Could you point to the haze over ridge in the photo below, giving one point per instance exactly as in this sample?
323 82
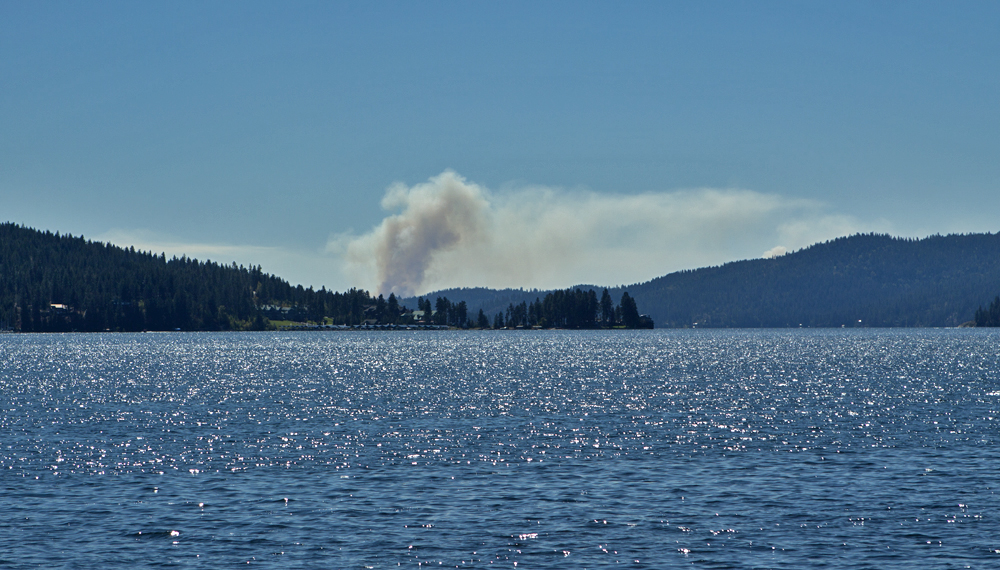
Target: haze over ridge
269 136
453 232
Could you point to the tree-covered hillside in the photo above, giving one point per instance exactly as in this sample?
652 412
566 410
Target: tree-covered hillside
866 280
52 282
861 280
55 283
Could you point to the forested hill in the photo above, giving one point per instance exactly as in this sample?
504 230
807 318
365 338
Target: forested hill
50 282
866 280
861 280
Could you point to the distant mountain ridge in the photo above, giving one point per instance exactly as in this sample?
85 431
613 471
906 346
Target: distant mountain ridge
861 280
52 282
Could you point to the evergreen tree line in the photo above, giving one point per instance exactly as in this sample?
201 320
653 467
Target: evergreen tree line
568 309
861 280
989 317
52 282
59 283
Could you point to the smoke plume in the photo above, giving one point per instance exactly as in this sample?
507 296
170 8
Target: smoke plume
440 215
448 232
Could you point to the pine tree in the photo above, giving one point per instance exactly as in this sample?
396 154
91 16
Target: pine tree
630 313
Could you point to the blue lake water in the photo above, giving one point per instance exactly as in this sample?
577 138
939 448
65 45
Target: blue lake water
554 449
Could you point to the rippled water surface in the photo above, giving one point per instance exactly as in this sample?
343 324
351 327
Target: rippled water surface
711 449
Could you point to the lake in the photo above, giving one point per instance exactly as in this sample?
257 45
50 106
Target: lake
858 448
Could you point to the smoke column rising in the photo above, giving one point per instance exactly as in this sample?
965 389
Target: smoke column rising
448 232
440 215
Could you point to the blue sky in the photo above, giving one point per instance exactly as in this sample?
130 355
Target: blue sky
591 142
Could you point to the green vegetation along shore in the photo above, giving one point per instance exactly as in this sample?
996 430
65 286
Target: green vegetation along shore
866 280
59 283
52 283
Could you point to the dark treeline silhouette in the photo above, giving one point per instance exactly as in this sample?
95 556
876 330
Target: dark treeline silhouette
52 282
989 317
58 283
861 280
568 309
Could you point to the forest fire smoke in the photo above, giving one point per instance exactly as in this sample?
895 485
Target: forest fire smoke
441 214
448 232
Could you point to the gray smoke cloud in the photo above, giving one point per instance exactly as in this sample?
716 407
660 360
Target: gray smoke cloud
449 232
440 215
